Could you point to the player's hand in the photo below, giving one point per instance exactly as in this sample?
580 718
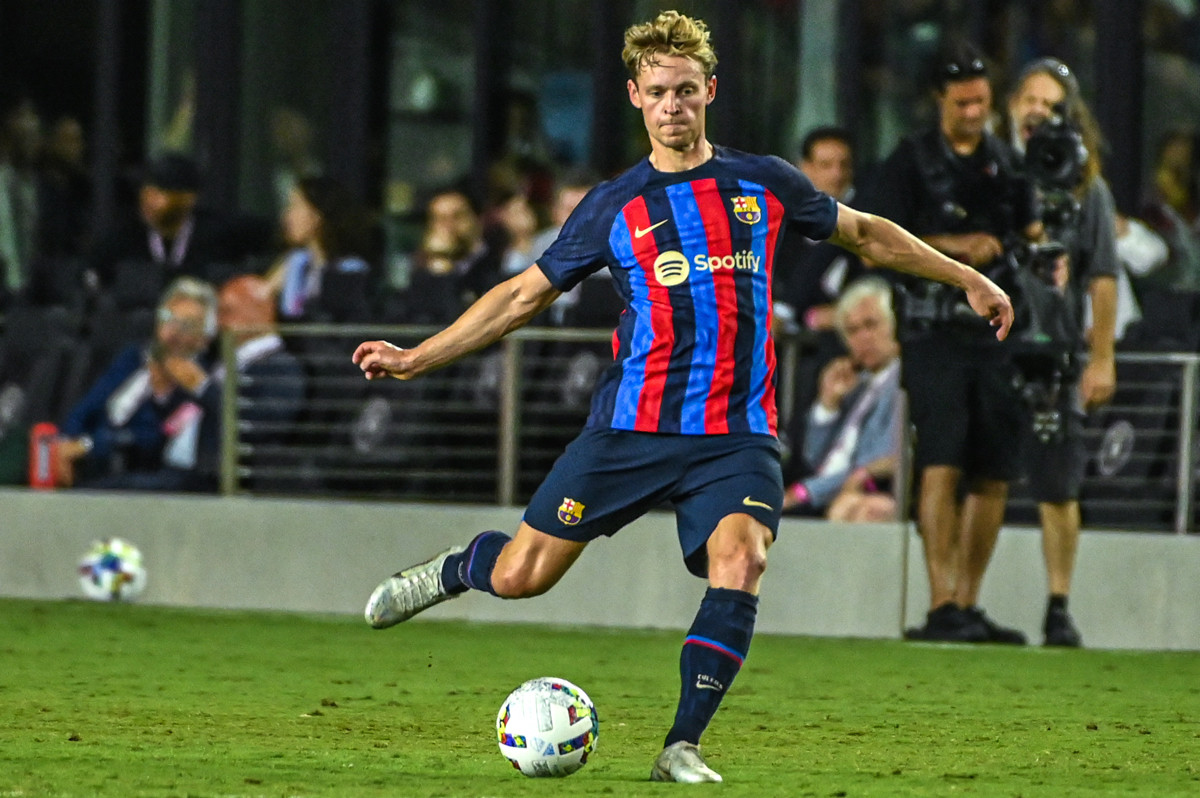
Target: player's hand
989 301
379 359
1098 382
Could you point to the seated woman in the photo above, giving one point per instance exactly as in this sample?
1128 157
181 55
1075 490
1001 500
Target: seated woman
324 277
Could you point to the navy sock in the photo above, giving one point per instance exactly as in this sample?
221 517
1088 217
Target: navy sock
712 655
472 568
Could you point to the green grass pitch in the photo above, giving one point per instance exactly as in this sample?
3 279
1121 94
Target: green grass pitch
131 700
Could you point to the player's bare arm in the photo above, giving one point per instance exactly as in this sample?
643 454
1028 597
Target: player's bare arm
881 241
507 307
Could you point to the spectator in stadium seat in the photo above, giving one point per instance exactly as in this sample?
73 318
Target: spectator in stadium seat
135 427
855 427
271 380
325 277
175 232
456 262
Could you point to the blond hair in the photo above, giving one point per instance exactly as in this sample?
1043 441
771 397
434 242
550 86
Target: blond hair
670 33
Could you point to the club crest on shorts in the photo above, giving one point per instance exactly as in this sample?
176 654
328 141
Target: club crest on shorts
745 210
570 512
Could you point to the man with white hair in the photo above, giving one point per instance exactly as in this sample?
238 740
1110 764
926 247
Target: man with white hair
854 429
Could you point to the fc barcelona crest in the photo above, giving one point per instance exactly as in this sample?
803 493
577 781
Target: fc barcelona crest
745 210
570 512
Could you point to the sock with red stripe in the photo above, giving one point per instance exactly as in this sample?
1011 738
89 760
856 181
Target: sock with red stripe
472 567
712 655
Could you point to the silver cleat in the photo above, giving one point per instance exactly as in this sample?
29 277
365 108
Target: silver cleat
413 590
682 762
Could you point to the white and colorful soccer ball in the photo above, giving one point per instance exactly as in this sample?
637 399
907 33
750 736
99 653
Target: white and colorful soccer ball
112 570
547 727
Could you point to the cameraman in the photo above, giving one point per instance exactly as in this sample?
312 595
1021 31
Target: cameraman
1053 131
955 187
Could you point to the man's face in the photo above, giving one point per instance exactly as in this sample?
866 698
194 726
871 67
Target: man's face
1034 103
673 94
165 210
869 335
451 219
829 167
180 327
964 108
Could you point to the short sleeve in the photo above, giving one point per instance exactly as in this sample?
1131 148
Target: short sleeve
581 248
809 212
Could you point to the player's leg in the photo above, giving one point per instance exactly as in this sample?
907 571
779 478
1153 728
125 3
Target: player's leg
509 567
737 497
716 644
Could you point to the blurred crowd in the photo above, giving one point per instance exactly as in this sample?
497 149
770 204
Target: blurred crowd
323 261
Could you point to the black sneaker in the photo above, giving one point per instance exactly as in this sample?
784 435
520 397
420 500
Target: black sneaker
948 623
995 632
1060 629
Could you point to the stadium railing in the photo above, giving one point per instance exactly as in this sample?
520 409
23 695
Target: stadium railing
486 429
1141 450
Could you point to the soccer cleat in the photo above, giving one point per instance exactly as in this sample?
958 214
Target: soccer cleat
413 590
682 762
1060 629
995 632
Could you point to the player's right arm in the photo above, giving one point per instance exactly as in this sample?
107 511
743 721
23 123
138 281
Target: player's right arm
508 306
880 241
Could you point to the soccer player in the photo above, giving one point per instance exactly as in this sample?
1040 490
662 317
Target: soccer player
686 412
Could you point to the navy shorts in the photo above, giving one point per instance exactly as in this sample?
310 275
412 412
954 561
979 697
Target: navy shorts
607 478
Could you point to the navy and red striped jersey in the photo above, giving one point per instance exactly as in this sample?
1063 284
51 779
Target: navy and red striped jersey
691 253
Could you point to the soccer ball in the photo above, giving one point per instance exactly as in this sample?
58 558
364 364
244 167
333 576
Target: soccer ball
112 571
547 727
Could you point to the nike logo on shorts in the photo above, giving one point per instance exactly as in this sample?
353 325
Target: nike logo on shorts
638 232
752 503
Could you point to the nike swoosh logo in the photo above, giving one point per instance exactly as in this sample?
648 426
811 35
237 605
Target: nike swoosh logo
751 503
702 686
639 232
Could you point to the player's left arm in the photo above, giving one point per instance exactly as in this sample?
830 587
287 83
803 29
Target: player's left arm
504 308
1099 379
882 242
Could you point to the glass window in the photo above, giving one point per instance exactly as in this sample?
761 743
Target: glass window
431 78
285 97
171 102
1171 105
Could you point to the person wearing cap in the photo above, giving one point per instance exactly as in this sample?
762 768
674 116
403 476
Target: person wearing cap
1046 91
955 186
173 231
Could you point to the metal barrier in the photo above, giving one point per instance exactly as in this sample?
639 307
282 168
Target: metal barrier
1141 464
485 429
488 428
